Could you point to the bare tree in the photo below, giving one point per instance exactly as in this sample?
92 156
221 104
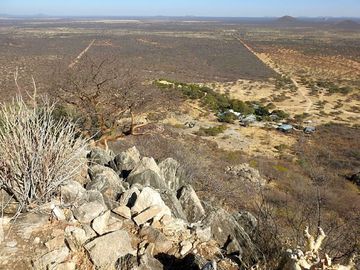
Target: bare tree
104 93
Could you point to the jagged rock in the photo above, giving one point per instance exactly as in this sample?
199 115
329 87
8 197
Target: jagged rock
52 258
9 205
161 243
172 226
106 223
203 234
100 156
106 181
173 203
55 243
71 193
75 237
186 246
246 173
147 173
105 250
127 262
123 211
171 172
129 197
127 161
147 214
149 263
247 221
66 266
27 223
92 207
58 213
89 232
229 234
191 204
149 198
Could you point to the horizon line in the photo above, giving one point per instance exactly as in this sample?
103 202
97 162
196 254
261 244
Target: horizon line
171 16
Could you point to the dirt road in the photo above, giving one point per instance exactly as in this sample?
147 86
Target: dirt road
77 59
302 90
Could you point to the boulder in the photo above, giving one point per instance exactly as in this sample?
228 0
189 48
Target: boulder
127 262
56 243
72 193
9 205
161 243
92 207
127 161
106 223
58 213
148 214
129 197
51 259
105 250
173 203
231 236
66 266
100 156
147 173
149 198
29 222
203 233
191 204
75 237
171 171
123 211
247 221
246 173
106 181
150 263
186 246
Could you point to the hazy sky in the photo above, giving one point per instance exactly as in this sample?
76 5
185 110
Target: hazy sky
234 8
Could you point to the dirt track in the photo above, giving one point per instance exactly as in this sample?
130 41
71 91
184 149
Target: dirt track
302 90
76 60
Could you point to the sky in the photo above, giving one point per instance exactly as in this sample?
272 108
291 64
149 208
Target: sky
213 8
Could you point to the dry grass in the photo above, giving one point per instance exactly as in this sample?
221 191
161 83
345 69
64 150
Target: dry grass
37 153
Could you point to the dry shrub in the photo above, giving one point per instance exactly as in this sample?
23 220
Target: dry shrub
37 153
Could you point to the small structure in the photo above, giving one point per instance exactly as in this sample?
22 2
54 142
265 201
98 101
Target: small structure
285 128
309 130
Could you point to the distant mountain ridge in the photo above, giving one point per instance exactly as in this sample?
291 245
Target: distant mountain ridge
287 19
348 25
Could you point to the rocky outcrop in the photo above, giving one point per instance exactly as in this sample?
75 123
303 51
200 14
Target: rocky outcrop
147 173
246 173
105 250
191 204
231 235
136 214
172 173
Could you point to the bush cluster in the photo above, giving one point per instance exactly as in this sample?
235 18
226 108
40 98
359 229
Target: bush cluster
37 152
211 131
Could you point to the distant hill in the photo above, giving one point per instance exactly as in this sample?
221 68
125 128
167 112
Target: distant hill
348 25
287 19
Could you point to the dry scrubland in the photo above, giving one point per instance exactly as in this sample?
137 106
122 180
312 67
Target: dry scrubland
306 175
